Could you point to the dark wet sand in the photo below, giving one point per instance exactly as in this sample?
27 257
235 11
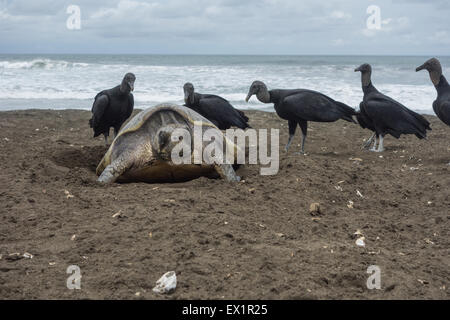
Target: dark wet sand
251 240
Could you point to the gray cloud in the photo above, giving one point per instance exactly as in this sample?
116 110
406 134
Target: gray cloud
225 26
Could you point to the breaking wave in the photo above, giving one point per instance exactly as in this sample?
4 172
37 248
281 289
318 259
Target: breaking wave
41 64
73 81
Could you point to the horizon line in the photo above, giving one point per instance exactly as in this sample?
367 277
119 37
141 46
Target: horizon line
228 54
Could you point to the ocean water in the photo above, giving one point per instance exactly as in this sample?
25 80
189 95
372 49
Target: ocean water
72 81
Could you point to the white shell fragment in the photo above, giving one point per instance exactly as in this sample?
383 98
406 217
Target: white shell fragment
360 242
167 283
68 194
27 255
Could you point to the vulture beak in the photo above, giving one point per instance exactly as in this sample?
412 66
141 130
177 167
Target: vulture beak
188 97
357 69
131 84
420 68
250 94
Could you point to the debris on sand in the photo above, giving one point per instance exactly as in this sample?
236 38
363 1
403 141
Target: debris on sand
167 283
359 194
350 204
68 195
117 214
360 242
360 239
27 255
358 234
314 209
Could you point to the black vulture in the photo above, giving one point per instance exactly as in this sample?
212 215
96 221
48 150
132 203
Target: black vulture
299 106
113 107
383 115
441 105
214 108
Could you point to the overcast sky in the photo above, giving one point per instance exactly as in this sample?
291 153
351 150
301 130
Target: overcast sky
408 27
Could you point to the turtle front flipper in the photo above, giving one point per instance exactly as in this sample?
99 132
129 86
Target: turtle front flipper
113 171
227 172
135 154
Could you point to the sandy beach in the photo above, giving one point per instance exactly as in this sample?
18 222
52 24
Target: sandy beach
251 240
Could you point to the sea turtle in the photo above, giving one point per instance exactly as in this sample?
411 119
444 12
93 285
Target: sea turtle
142 150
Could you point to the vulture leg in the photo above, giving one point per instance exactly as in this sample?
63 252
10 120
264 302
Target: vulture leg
292 127
380 144
106 138
304 127
369 141
116 132
227 172
374 147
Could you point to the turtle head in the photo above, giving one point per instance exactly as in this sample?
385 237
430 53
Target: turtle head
188 89
259 89
127 84
166 139
433 66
